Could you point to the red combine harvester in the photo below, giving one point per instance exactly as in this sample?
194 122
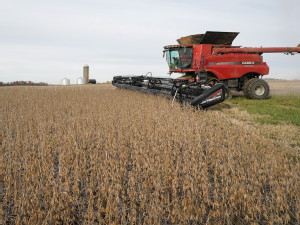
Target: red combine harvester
211 67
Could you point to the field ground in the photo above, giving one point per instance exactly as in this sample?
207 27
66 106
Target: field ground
282 106
284 87
281 88
282 109
97 154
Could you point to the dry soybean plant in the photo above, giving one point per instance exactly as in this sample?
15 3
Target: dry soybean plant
100 155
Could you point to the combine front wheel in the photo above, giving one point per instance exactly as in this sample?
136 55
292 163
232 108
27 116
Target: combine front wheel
212 81
256 89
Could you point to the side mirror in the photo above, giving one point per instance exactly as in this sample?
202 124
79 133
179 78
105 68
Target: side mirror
164 52
184 50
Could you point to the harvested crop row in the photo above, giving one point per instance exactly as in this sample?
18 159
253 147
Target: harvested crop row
94 154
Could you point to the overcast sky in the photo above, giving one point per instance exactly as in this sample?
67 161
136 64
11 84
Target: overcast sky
49 40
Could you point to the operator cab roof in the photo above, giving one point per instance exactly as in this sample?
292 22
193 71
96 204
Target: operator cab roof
210 37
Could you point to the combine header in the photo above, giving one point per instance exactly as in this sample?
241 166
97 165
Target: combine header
211 67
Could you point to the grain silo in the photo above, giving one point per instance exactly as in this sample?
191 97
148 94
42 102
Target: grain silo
80 80
66 81
86 74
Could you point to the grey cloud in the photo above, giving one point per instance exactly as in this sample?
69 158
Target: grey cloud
49 40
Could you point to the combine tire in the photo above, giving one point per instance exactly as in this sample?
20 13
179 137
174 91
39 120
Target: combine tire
256 89
228 95
245 89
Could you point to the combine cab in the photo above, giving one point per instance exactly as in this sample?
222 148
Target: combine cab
210 68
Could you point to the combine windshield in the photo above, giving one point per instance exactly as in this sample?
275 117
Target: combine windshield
179 58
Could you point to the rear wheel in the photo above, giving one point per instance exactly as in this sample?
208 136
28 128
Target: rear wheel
256 89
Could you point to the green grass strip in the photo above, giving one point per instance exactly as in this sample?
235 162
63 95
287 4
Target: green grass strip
279 109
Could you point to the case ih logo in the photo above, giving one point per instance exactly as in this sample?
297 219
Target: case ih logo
234 63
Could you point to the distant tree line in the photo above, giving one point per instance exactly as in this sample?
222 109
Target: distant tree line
23 83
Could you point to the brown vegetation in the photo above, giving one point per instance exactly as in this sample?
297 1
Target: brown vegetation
95 154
